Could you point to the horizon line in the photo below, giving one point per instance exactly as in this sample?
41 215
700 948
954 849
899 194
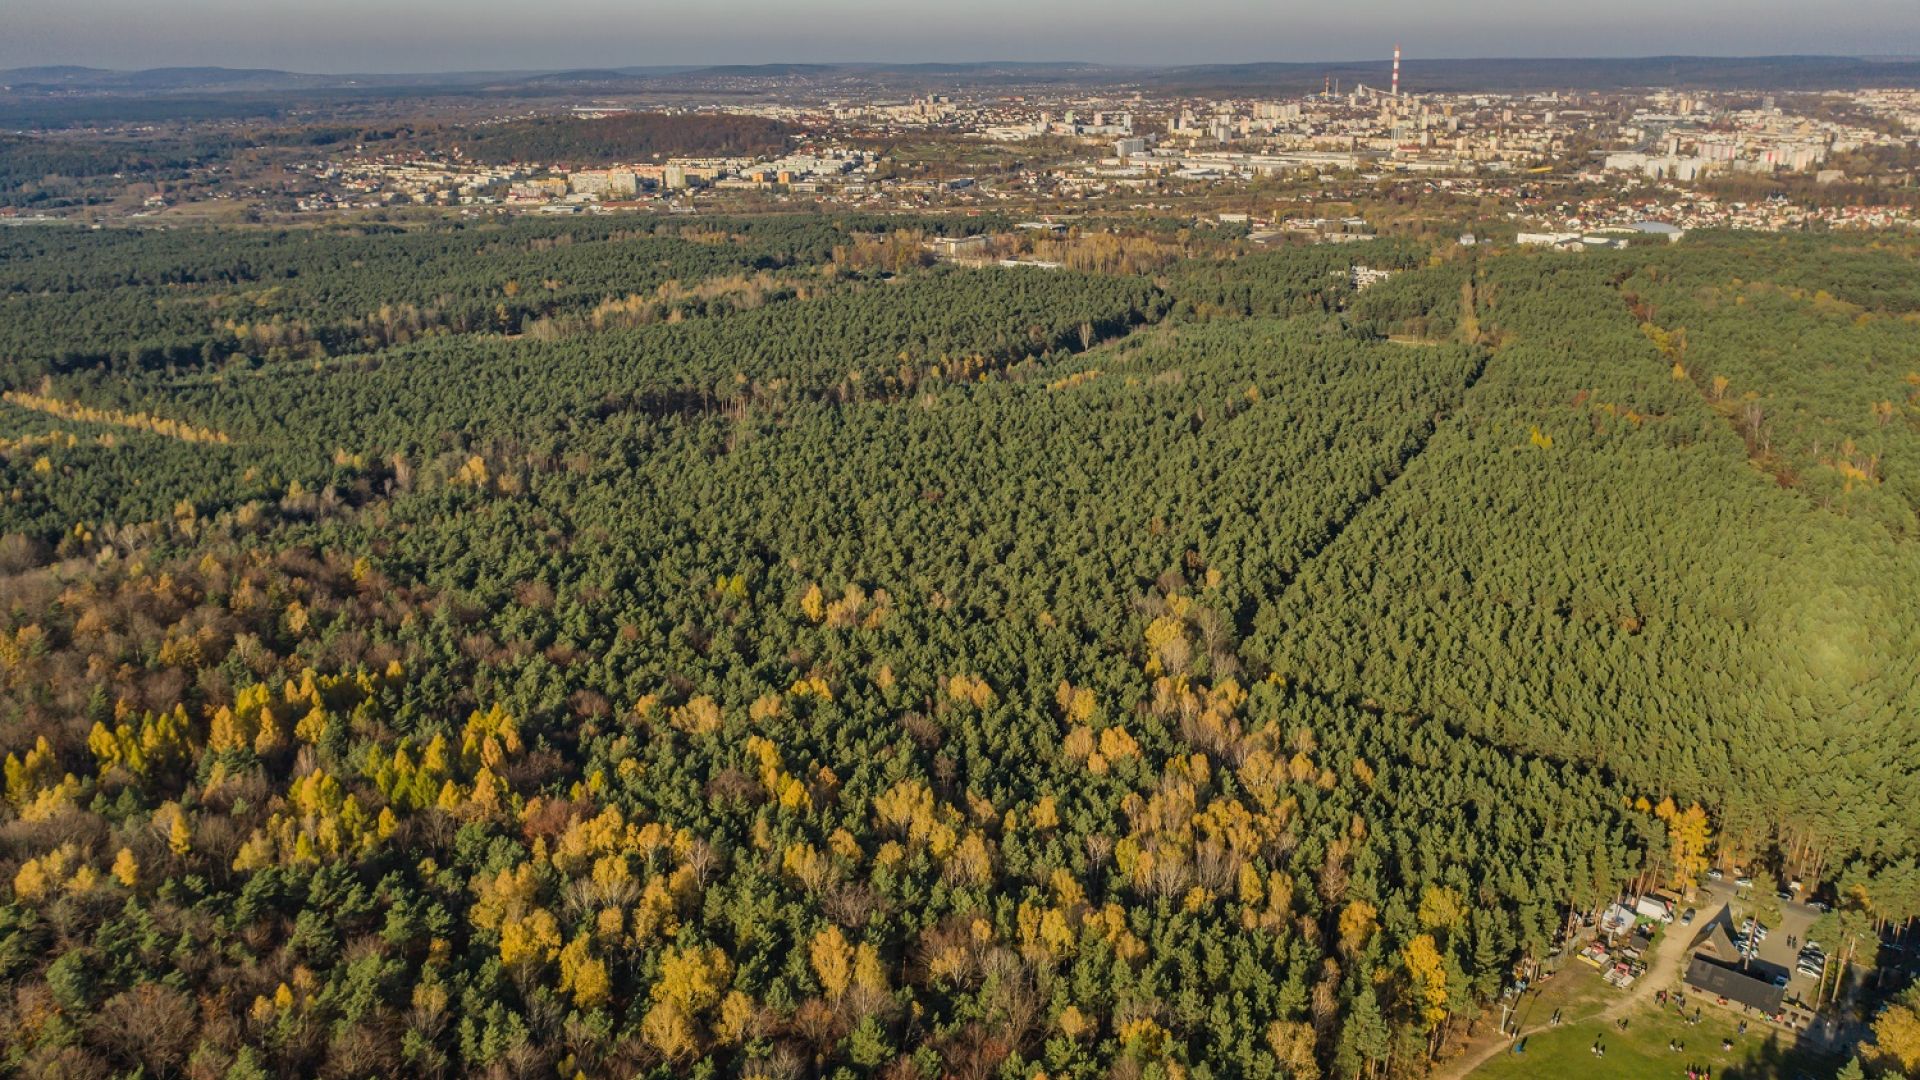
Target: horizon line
1061 62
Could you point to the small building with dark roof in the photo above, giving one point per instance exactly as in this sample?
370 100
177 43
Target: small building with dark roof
1717 968
1716 944
1741 985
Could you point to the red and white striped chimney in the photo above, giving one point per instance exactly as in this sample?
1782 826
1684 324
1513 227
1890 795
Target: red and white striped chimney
1396 71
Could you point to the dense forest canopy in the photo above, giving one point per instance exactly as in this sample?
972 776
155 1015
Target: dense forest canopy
620 138
114 300
34 169
737 647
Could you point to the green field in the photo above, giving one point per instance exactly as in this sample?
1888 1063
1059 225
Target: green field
1583 1000
1641 1050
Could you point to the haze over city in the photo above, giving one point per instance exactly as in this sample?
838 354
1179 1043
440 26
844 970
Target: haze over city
448 35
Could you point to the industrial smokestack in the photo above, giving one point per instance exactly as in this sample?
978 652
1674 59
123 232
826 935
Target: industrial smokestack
1396 71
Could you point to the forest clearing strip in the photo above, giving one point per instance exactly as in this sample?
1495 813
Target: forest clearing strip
1366 702
164 426
1748 421
55 438
682 400
1338 526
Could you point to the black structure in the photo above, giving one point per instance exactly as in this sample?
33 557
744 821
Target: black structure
1749 988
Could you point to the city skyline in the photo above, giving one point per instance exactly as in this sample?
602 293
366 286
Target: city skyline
442 36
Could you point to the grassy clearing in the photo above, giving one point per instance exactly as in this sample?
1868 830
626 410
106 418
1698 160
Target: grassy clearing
1641 1051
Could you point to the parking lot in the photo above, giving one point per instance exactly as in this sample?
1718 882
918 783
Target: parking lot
1775 952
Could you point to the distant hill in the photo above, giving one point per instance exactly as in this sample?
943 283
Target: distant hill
220 89
51 74
1696 72
1492 74
70 79
764 71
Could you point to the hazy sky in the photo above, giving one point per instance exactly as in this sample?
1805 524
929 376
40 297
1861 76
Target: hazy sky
442 35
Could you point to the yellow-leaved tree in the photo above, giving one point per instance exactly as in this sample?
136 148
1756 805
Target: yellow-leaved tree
126 868
1427 974
1292 1043
1689 838
1897 1033
584 974
832 961
1442 908
1357 921
692 979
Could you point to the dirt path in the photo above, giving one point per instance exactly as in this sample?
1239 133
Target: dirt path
1663 972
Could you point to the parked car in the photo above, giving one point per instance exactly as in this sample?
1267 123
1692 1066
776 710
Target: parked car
1686 917
1714 875
1744 882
